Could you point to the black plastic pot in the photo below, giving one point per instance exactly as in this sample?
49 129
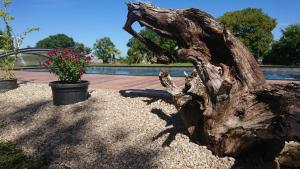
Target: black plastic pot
8 84
69 93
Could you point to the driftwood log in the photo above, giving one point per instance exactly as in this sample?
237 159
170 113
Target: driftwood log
225 103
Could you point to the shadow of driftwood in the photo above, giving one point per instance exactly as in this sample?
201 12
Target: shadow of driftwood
152 95
172 120
263 157
62 143
253 163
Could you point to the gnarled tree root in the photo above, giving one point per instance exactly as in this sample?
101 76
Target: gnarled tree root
225 104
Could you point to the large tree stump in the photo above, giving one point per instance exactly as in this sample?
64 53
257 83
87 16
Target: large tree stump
225 104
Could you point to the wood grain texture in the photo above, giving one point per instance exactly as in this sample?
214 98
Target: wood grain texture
225 103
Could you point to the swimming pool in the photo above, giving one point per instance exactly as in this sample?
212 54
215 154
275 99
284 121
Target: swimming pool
270 73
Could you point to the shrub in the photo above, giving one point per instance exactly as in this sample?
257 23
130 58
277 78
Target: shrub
68 65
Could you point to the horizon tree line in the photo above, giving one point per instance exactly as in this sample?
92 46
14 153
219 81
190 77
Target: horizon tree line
251 25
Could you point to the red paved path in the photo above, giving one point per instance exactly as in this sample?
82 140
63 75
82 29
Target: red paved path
102 81
109 81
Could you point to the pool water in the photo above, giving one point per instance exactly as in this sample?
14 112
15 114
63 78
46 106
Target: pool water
270 73
273 75
139 71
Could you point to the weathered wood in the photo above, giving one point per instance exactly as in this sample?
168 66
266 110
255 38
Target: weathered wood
290 155
225 104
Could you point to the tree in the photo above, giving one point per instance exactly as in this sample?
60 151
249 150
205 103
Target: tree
138 52
79 47
286 51
56 41
253 27
225 103
105 49
1 40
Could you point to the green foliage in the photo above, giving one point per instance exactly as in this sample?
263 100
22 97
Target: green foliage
253 27
7 37
10 42
105 48
56 41
7 2
7 64
286 51
63 41
79 47
13 158
138 52
68 65
1 40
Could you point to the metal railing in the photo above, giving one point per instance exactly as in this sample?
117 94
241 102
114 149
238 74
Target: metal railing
28 51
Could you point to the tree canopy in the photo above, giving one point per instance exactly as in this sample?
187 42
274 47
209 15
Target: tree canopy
79 47
138 52
56 41
63 41
104 49
286 51
253 27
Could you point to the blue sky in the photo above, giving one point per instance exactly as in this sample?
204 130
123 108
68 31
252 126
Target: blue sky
88 20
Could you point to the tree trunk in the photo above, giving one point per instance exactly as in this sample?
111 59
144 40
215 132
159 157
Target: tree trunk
225 104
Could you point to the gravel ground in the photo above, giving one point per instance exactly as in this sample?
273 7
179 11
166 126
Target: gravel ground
106 131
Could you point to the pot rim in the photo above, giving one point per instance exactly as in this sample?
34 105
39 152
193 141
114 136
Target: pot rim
2 79
58 84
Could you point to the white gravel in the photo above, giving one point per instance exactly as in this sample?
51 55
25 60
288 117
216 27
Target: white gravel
107 131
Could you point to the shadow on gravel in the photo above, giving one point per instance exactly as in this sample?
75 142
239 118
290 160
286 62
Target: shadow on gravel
136 158
173 120
153 95
64 138
131 157
48 138
22 116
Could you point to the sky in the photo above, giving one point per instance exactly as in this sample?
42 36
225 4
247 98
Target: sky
88 20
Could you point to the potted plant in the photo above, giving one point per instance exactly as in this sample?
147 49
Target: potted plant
10 45
69 66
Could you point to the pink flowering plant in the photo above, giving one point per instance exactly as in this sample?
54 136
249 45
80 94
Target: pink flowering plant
68 65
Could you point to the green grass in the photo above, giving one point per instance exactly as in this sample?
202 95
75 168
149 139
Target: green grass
13 158
143 65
